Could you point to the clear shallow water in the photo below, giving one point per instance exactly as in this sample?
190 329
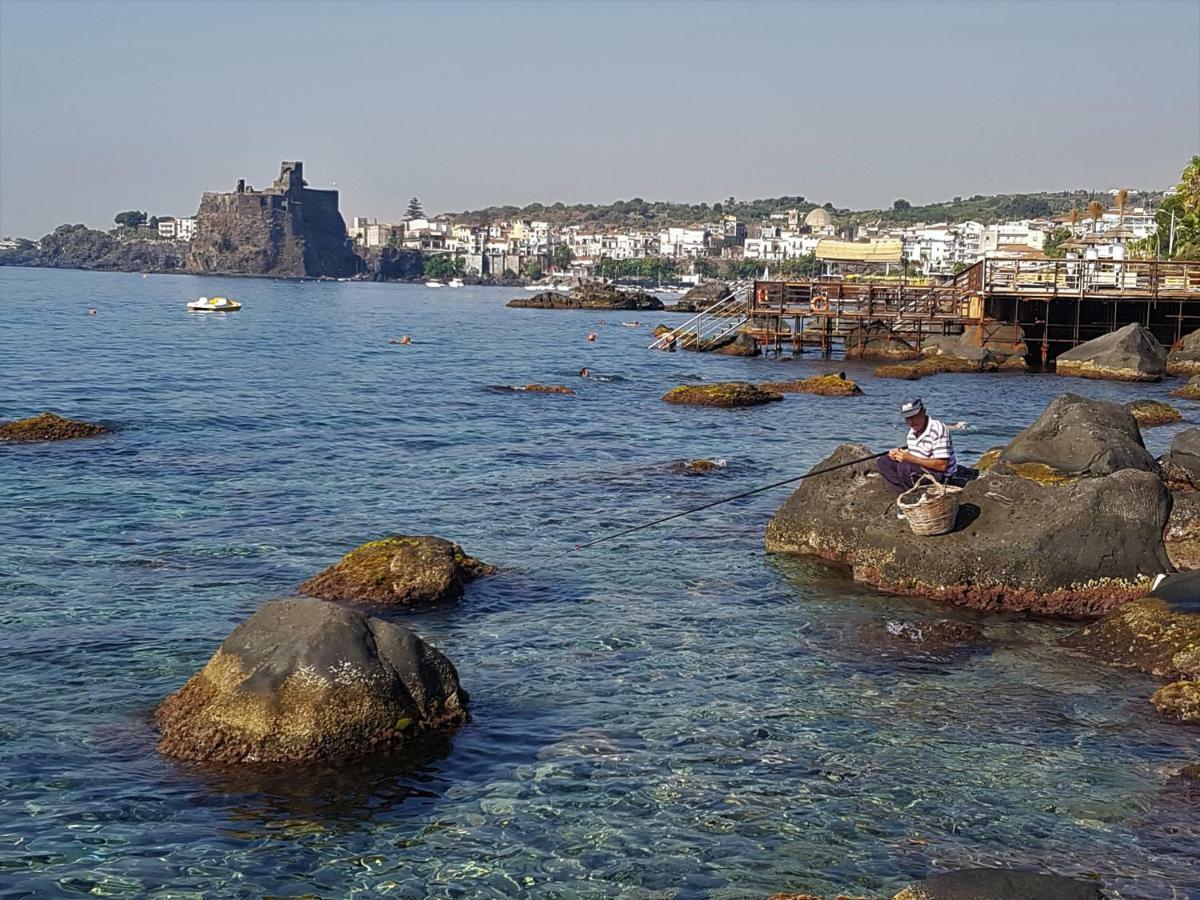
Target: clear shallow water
673 714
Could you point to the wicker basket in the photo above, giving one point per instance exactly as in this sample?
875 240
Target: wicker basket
929 506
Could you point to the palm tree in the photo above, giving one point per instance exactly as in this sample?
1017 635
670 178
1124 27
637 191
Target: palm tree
1122 199
1095 211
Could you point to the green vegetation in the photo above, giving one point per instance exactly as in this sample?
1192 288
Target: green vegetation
443 265
414 210
656 267
1054 242
1184 207
131 218
562 257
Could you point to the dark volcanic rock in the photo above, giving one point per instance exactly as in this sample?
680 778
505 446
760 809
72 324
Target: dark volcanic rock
727 394
1152 413
393 263
1075 550
874 341
48 427
1129 354
1185 359
1075 438
1181 463
398 571
79 247
740 344
1000 884
304 680
939 632
287 230
697 467
833 384
702 296
589 296
1159 635
1182 537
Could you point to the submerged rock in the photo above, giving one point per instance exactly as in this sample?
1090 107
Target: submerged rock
48 427
1190 391
1079 549
1185 359
1182 536
1159 635
833 384
698 467
398 571
303 680
939 632
1150 413
1077 438
1131 353
727 394
1179 700
1000 884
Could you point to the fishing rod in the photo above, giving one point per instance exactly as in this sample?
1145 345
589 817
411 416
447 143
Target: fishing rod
758 490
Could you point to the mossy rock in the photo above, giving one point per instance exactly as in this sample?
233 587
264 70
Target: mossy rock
988 459
398 571
1148 635
306 681
697 467
1150 413
902 371
935 365
1042 473
660 330
546 389
834 384
1190 391
48 427
724 394
1179 700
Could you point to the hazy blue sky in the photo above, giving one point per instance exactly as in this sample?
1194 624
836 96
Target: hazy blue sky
107 106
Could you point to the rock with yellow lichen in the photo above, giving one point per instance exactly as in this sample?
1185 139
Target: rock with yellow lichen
1179 700
994 884
833 384
398 571
1151 413
725 394
48 427
303 681
1190 391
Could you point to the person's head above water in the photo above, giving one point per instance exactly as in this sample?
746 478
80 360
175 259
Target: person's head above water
584 372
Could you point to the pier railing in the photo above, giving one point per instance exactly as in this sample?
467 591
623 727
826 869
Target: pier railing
711 325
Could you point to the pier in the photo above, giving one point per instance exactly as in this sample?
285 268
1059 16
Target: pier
1056 304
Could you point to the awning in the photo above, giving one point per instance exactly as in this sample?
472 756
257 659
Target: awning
889 251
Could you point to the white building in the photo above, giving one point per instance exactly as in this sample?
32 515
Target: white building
681 243
177 229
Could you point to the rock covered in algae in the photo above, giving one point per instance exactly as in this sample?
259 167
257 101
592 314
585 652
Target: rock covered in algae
726 394
833 384
303 680
398 571
48 427
1179 700
1190 391
1131 353
978 361
1185 359
1077 438
546 389
1151 413
698 466
1159 635
1182 537
1000 884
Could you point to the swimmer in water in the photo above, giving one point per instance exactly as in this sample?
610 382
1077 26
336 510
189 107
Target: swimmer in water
92 311
585 372
591 336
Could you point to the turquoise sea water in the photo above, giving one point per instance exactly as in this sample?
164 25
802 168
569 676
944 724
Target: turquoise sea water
674 714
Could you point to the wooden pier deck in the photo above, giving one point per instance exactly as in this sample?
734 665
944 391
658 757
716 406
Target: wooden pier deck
1058 303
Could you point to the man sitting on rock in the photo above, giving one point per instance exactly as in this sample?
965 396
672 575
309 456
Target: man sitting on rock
929 451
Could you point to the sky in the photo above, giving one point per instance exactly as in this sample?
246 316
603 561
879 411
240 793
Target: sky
106 106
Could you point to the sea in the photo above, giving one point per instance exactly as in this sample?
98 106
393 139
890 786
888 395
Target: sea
672 714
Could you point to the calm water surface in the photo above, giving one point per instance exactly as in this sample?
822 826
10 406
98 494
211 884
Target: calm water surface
675 714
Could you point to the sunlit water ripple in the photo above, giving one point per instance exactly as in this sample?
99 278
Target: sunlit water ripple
675 714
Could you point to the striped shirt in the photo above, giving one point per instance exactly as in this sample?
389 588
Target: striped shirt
933 443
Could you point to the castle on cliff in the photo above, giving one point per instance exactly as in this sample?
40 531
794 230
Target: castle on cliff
286 230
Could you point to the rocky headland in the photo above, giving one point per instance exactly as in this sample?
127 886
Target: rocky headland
589 296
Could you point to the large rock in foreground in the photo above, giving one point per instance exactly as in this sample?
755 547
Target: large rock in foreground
302 680
1077 438
702 296
1185 359
1000 884
1077 549
589 296
726 394
48 427
1131 353
875 340
398 571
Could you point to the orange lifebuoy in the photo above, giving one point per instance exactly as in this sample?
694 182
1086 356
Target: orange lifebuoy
819 304
760 294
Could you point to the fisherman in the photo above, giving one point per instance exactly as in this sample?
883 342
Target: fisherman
929 450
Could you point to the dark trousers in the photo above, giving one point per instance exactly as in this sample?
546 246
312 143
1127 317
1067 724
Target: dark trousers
900 476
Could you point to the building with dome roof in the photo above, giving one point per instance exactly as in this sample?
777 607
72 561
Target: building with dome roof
818 221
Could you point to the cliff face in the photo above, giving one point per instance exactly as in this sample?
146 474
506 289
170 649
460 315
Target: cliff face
78 247
287 230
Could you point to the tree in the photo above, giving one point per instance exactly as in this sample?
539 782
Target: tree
901 205
154 223
562 257
414 210
1122 199
131 218
1095 210
1054 241
1180 212
443 265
